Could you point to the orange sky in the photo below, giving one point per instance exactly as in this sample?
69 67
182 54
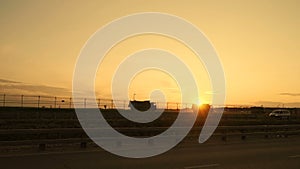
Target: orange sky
257 42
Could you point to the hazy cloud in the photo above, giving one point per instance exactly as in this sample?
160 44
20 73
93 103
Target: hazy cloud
290 94
14 87
277 104
7 81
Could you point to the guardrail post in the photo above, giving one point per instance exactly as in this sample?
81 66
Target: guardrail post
266 131
70 104
243 137
39 99
224 138
42 146
99 103
224 135
3 100
22 96
112 104
83 144
54 102
266 136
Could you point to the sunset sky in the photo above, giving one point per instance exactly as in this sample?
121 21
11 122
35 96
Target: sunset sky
258 43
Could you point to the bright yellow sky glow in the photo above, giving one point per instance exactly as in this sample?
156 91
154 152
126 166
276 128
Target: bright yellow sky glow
147 81
257 41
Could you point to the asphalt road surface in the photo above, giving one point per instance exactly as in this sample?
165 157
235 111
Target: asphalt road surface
281 153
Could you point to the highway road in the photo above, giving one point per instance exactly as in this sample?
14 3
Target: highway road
275 153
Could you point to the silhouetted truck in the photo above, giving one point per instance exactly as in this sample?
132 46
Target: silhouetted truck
142 105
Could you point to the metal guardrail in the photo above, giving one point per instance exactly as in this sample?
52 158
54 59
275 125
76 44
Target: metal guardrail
133 129
41 137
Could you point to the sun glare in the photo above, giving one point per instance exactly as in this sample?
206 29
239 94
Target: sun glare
199 102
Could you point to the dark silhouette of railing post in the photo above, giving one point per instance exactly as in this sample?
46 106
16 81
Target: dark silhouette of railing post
22 97
39 99
70 104
3 100
54 102
98 103
84 102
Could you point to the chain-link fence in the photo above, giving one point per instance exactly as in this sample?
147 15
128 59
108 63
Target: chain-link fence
9 100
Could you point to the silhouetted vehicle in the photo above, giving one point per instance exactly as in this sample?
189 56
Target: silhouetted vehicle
142 105
280 113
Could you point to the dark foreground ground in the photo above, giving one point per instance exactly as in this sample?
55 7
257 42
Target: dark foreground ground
276 153
52 139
